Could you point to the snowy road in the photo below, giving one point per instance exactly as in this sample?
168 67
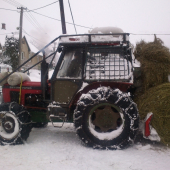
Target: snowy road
50 148
60 149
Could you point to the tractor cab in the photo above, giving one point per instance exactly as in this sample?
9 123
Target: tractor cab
91 59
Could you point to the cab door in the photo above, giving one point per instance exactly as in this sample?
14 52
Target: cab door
68 79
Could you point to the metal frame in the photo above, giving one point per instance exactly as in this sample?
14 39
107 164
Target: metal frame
59 37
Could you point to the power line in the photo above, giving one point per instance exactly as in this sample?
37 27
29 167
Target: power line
8 9
29 19
48 16
40 27
42 6
15 3
72 16
32 36
11 3
37 25
148 34
31 16
60 20
35 39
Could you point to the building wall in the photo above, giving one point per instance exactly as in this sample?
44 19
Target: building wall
27 54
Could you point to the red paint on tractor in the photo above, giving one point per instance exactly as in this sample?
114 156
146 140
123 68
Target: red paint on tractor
27 88
147 126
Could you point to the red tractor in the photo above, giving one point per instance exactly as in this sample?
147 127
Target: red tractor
91 86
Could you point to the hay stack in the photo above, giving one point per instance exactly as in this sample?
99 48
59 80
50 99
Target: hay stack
157 101
155 63
154 93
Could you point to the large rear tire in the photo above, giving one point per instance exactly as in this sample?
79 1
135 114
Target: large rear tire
106 118
15 124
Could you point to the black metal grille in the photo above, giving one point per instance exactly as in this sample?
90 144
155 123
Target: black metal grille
107 65
14 96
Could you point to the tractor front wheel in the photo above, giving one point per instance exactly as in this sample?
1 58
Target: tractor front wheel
15 124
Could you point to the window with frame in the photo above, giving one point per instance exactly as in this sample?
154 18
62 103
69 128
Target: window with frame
22 55
107 64
71 66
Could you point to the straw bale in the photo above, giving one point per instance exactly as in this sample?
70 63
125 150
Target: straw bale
153 94
155 63
156 100
154 51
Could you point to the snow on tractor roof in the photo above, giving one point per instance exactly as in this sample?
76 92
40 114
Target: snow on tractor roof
101 34
106 30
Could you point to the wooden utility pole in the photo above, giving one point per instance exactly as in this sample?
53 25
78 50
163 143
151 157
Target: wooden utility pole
63 24
20 34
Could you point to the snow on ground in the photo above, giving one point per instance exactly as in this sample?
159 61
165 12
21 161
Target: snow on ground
59 148
50 148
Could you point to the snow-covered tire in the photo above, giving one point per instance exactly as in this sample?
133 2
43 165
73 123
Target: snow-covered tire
106 118
15 124
40 124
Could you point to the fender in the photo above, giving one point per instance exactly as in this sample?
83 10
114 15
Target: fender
123 86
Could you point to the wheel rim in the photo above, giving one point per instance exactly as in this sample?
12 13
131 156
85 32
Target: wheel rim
9 125
105 119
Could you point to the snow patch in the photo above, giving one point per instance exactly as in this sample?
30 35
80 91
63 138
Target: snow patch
107 135
83 86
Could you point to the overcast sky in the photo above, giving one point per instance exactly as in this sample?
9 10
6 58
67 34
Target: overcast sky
133 16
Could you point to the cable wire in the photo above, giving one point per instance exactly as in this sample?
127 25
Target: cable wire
40 27
29 19
32 21
8 9
72 16
35 39
11 3
48 16
31 36
42 6
148 34
60 20
15 3
35 23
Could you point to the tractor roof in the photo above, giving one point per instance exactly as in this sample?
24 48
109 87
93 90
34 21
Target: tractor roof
95 39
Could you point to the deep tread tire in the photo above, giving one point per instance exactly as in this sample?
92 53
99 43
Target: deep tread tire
106 95
18 120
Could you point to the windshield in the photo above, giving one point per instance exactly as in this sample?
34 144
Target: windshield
71 66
